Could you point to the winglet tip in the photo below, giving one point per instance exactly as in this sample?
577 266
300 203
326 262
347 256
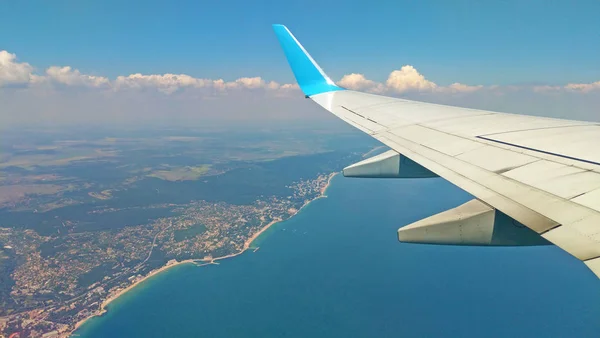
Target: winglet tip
310 77
279 28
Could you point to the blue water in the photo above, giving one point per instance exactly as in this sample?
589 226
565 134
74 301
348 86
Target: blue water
337 270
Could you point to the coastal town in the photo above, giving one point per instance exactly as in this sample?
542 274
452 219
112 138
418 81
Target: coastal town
62 281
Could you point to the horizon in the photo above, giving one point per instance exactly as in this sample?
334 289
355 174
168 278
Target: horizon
105 66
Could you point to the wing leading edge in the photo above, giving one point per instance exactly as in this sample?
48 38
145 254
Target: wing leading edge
539 172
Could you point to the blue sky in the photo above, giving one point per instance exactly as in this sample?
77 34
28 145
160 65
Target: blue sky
467 41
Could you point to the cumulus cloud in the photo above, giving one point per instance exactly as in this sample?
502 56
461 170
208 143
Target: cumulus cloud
73 77
408 79
273 85
13 72
290 86
250 82
360 82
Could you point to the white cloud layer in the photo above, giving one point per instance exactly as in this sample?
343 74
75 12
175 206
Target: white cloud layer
405 80
15 73
166 83
65 95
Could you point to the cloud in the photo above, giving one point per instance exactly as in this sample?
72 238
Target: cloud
290 86
359 82
583 87
170 83
13 72
166 83
546 89
250 82
46 96
73 77
405 80
461 88
408 79
273 85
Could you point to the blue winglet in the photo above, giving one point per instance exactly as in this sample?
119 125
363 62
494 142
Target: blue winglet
310 77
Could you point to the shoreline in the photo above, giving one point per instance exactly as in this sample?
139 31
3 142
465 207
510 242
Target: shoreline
173 263
118 294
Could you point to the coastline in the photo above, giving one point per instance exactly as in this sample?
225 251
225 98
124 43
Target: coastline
173 263
118 294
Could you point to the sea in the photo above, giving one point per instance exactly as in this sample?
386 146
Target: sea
336 269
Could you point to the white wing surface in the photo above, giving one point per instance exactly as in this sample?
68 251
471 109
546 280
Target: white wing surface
543 173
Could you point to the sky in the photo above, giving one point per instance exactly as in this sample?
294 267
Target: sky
121 61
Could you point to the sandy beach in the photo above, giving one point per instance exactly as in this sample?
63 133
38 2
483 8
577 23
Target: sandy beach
173 263
133 285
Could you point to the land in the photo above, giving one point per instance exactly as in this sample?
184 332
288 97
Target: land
229 232
12 194
77 234
103 195
186 173
117 292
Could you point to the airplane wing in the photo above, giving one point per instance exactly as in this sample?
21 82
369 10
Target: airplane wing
535 180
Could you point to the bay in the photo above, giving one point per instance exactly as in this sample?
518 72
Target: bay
336 269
